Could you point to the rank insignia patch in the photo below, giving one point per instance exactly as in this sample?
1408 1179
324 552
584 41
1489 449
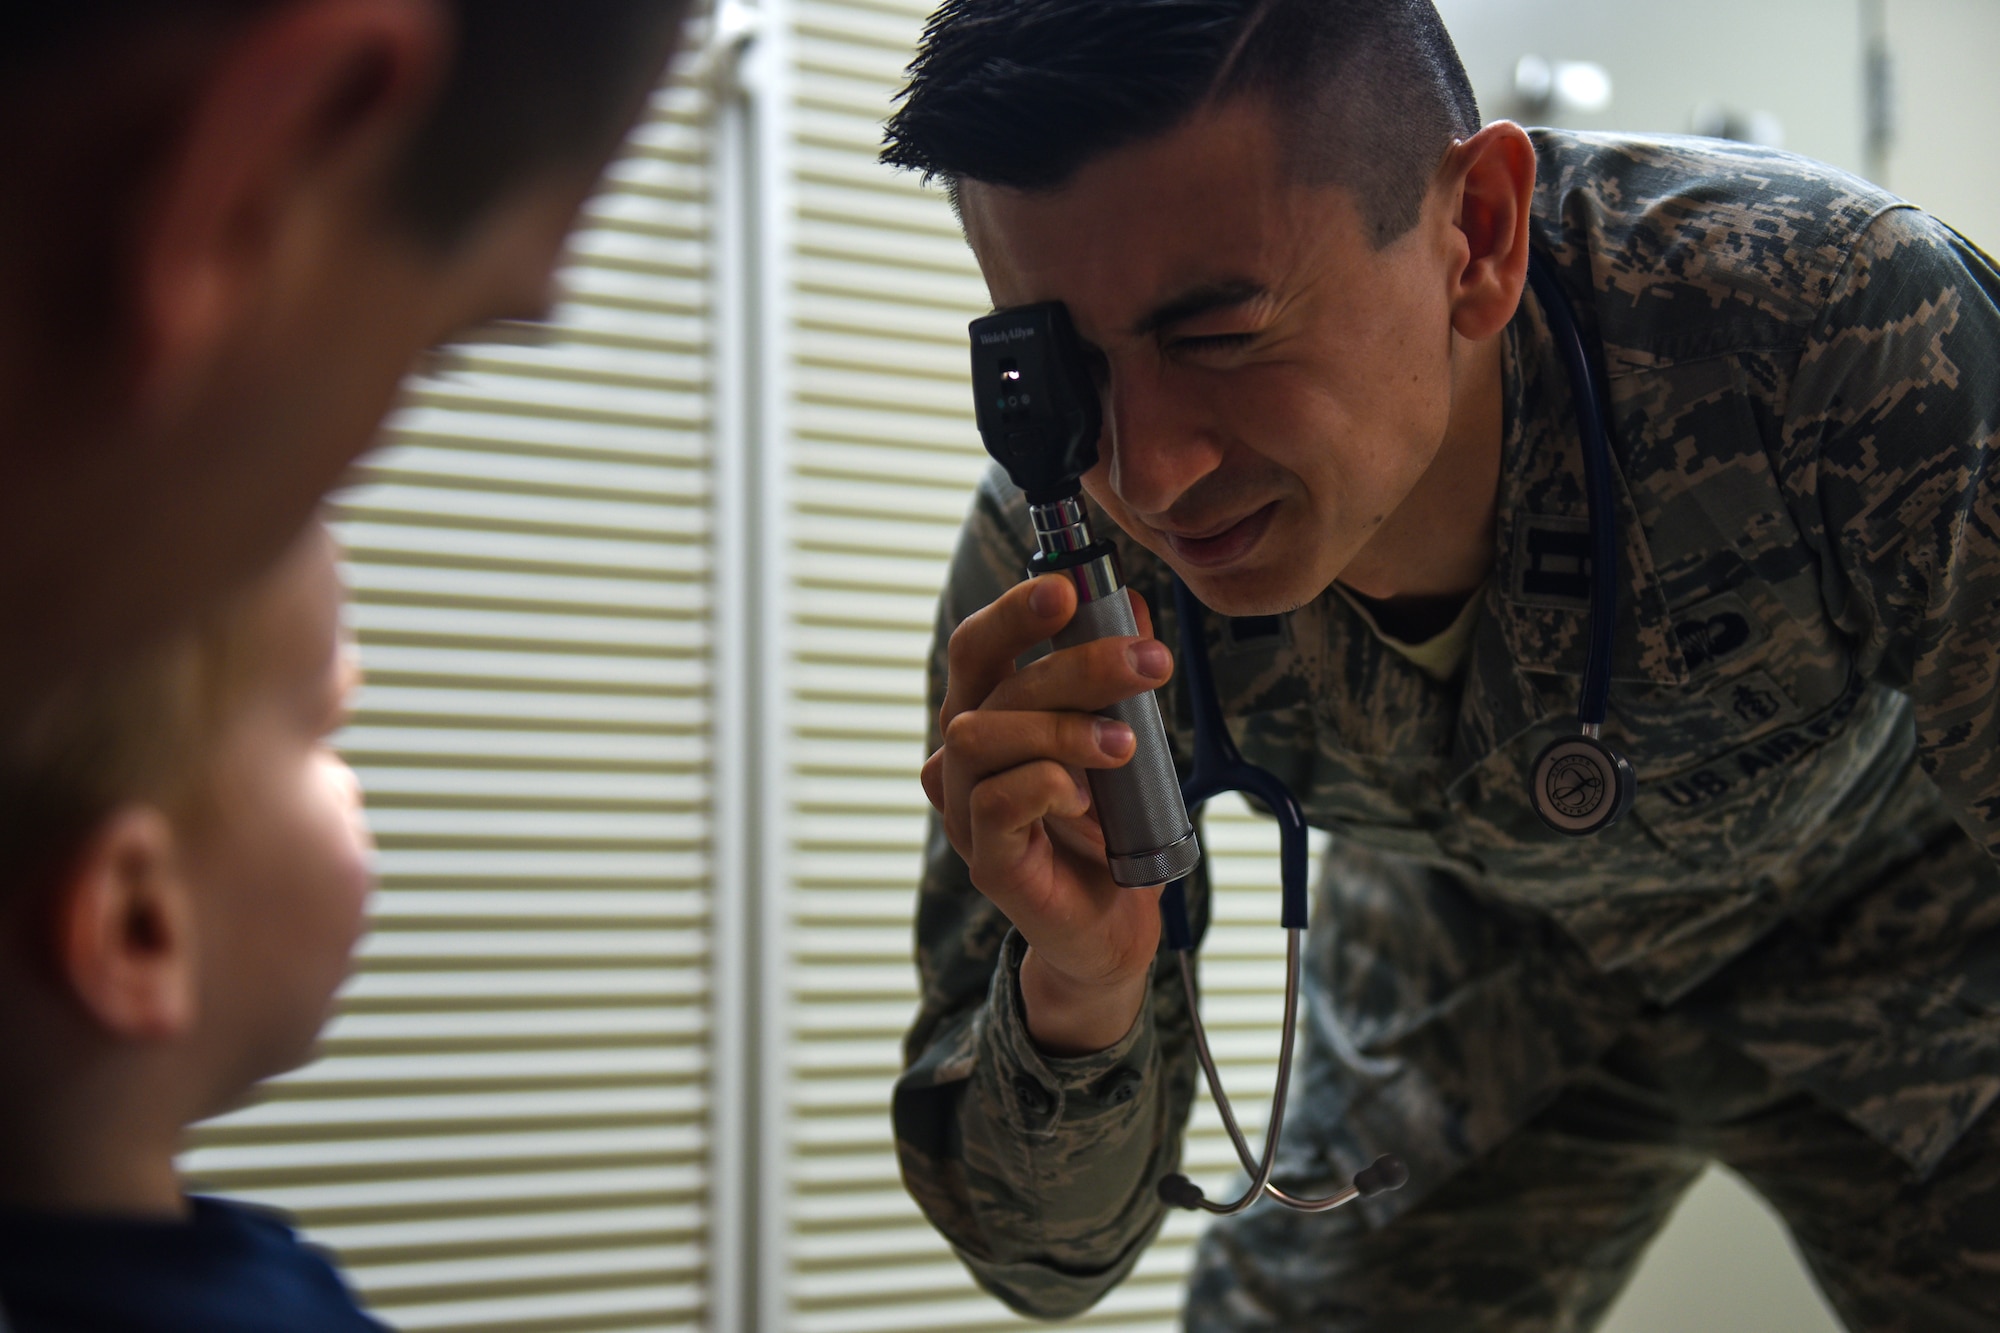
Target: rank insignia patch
1551 562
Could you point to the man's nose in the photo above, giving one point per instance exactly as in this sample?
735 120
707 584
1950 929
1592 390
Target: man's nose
1160 442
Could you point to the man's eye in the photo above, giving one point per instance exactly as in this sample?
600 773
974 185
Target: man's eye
1214 342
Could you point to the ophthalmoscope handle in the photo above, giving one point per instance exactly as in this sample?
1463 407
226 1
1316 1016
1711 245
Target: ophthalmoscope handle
1148 838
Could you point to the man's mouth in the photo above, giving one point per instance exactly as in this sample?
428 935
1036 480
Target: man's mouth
1224 544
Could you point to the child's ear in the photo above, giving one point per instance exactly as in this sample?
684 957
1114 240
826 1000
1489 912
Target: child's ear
124 929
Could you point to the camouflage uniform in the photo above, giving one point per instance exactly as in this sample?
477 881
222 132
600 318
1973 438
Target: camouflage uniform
1805 405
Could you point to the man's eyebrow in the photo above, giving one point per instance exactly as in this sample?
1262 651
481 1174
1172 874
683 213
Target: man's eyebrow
1197 301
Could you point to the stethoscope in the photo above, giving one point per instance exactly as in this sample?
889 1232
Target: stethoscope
1579 785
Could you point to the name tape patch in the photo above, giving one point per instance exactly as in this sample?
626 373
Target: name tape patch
1733 770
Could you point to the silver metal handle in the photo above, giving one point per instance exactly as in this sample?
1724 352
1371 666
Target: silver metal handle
1147 835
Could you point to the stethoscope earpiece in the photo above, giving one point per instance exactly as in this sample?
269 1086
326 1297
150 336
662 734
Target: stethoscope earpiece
1580 785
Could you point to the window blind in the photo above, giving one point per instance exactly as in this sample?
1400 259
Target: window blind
883 457
514 1125
508 1129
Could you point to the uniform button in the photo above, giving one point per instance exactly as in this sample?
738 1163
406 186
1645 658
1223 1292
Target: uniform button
1119 1086
1034 1098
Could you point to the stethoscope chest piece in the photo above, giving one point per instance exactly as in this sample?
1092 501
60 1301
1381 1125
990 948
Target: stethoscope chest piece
1581 785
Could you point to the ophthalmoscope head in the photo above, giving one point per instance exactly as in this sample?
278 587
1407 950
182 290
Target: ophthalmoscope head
1036 402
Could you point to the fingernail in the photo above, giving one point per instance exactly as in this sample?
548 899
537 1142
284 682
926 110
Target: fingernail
1046 598
1114 738
1151 659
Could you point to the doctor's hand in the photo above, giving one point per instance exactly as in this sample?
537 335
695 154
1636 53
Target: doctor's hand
1009 784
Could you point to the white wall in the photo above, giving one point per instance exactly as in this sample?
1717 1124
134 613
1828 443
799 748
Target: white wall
1946 153
1723 1265
1797 59
1800 60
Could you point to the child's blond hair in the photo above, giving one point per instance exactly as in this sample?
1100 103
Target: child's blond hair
140 730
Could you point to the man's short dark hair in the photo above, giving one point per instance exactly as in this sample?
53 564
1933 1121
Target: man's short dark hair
533 83
1367 94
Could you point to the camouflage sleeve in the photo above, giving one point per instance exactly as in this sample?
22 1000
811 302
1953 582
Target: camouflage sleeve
1889 445
1039 1171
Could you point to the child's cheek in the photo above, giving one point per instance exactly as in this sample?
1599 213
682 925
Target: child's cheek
353 847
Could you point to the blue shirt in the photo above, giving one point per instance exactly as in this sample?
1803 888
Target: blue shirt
224 1268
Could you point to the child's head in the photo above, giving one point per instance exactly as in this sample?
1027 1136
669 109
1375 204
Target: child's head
183 866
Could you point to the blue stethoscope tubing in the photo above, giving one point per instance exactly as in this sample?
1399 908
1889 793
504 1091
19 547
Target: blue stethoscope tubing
1586 394
1219 767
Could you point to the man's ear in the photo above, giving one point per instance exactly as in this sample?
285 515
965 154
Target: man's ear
1492 178
123 927
312 105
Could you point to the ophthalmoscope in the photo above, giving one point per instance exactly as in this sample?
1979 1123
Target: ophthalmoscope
1042 426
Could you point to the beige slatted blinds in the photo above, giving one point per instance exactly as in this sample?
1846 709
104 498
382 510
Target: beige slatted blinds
511 1128
883 459
508 1129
